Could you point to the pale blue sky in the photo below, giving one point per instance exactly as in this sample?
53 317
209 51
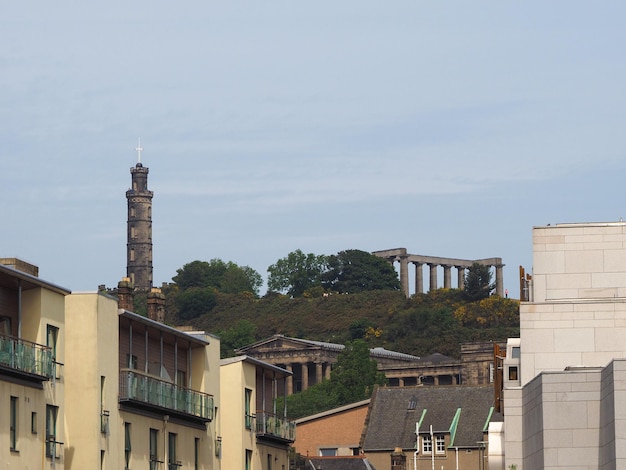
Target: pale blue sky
448 128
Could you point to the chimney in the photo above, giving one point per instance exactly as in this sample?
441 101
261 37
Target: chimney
398 459
20 265
156 305
125 294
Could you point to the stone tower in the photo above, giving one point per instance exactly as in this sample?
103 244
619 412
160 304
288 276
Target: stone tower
139 233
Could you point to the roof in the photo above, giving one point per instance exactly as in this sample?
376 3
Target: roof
375 352
464 412
11 277
192 338
256 362
340 409
338 463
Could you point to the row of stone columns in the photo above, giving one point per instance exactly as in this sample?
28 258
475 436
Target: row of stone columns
447 275
322 371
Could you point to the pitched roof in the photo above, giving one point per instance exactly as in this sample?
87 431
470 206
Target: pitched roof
338 463
460 411
375 352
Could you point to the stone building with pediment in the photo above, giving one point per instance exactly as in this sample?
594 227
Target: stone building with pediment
311 362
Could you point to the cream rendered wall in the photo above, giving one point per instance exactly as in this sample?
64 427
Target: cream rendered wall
234 379
92 353
577 313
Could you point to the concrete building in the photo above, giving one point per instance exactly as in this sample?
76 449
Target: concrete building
32 378
564 396
256 433
143 394
139 228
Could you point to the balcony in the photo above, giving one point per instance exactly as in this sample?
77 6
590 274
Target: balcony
25 359
273 426
152 393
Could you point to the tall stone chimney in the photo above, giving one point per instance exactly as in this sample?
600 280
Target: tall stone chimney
156 305
398 459
125 295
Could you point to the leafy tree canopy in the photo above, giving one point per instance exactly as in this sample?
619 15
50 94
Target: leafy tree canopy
195 301
353 271
239 335
296 273
478 283
225 277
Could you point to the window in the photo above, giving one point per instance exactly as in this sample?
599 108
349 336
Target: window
13 424
181 378
196 448
127 445
132 211
427 445
513 373
5 326
440 444
248 459
52 335
133 232
154 449
171 452
131 361
132 254
269 461
248 404
328 452
51 430
515 352
33 422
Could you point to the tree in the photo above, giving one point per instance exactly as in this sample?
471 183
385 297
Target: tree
195 301
296 273
237 336
352 271
225 277
354 375
478 284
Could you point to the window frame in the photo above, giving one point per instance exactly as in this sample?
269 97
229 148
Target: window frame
13 423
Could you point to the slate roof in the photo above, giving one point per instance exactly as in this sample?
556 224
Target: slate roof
338 463
395 411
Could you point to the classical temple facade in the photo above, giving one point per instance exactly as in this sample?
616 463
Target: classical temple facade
310 362
434 262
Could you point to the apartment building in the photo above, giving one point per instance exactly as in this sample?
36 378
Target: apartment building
32 379
256 432
144 395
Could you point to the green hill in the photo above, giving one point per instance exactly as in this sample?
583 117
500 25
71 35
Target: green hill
438 321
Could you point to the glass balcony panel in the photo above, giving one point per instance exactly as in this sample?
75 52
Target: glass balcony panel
277 426
137 386
26 356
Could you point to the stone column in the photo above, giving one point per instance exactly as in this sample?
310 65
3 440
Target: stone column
327 371
433 276
289 380
447 278
419 278
499 280
404 274
305 376
401 381
460 271
318 372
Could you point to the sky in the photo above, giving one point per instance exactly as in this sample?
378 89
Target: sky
447 128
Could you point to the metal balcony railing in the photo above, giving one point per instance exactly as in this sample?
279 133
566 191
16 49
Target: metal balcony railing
27 357
269 424
151 390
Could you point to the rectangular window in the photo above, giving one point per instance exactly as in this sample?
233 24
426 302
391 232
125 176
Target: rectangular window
33 422
131 361
196 448
269 461
427 445
127 445
171 452
154 449
248 405
5 326
328 452
440 444
515 352
13 424
181 378
248 459
512 373
51 430
52 335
